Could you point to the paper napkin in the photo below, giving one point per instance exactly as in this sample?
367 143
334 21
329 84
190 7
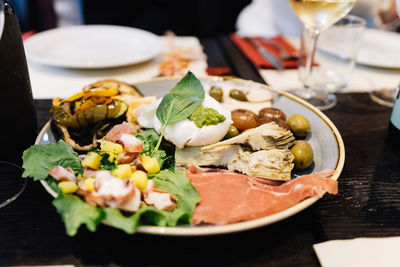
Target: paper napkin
359 252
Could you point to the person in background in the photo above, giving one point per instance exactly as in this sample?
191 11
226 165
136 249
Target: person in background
35 15
201 18
272 17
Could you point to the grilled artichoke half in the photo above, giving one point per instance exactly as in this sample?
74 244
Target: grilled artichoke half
260 152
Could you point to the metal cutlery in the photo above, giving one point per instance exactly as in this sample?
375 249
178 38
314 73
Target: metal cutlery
283 53
271 58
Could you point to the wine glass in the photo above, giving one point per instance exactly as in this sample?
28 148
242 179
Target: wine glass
387 97
317 16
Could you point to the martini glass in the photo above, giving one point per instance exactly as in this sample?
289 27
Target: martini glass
317 16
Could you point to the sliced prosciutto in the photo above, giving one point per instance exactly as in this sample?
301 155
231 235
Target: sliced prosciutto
229 197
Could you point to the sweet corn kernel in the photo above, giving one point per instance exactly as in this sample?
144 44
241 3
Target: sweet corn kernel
111 147
150 164
140 179
89 184
92 160
122 171
68 187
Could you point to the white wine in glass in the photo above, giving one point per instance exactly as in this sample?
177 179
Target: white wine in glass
317 16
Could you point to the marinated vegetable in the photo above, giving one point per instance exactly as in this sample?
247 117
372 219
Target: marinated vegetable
244 119
299 125
303 154
88 115
238 95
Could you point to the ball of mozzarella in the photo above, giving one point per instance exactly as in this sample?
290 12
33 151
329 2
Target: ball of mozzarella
186 132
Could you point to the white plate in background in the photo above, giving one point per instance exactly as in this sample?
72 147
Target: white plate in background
380 48
92 46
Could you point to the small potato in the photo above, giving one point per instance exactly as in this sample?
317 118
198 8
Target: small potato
299 125
303 154
244 119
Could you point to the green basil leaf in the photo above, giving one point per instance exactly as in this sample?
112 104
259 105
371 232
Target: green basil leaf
189 86
173 109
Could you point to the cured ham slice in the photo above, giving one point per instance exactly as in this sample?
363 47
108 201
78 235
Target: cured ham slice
228 197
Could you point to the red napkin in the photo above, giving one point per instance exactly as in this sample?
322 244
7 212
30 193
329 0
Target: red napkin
252 54
26 35
219 71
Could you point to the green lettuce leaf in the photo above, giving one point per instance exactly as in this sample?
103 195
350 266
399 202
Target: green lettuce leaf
130 224
39 159
75 212
177 184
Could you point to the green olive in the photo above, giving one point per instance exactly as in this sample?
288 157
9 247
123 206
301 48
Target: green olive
303 154
216 93
238 95
299 125
232 132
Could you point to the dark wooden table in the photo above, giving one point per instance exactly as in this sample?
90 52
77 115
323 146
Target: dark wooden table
368 204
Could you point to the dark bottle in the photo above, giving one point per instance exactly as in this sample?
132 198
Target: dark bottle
394 124
17 113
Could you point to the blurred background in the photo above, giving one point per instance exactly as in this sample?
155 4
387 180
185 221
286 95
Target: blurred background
202 18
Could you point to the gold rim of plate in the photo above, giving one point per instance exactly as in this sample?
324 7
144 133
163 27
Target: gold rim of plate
240 226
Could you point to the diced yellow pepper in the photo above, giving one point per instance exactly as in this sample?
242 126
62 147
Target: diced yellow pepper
89 184
111 147
92 160
68 187
140 179
122 171
150 164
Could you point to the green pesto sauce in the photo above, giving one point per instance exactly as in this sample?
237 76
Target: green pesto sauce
206 116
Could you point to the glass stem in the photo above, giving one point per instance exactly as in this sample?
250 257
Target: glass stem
309 63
